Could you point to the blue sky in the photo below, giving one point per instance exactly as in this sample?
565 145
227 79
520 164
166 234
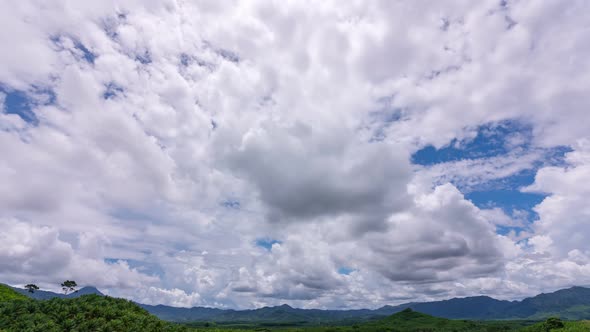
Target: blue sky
512 137
266 243
337 156
17 102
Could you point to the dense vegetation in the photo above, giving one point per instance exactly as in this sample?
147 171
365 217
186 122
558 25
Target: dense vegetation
555 325
412 321
85 313
7 294
408 321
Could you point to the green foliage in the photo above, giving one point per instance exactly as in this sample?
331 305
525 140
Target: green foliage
577 312
86 313
405 321
556 325
413 321
8 294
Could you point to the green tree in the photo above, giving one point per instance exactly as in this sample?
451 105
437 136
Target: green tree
553 323
31 288
88 313
69 286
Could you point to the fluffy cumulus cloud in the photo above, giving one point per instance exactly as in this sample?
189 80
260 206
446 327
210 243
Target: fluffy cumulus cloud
31 251
242 154
558 247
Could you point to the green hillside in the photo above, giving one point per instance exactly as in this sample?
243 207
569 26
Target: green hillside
409 320
86 313
413 320
8 294
555 325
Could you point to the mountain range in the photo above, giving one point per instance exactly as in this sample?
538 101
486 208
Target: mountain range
46 295
571 303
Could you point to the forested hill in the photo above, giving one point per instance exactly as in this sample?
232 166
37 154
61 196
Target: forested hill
83 313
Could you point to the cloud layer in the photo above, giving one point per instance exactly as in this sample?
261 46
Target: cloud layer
147 147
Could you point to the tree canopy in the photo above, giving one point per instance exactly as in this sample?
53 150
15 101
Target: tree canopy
31 288
69 286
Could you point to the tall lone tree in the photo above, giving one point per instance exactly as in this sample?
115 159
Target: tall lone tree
31 288
69 286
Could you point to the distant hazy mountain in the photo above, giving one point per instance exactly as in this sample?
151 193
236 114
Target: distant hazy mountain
278 314
476 307
46 295
571 303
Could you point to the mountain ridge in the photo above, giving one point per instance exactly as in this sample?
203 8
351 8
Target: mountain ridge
46 295
569 303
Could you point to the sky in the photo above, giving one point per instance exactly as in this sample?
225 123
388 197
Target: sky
323 154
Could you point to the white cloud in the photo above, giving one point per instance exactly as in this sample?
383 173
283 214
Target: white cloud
37 254
280 107
473 173
564 218
174 297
